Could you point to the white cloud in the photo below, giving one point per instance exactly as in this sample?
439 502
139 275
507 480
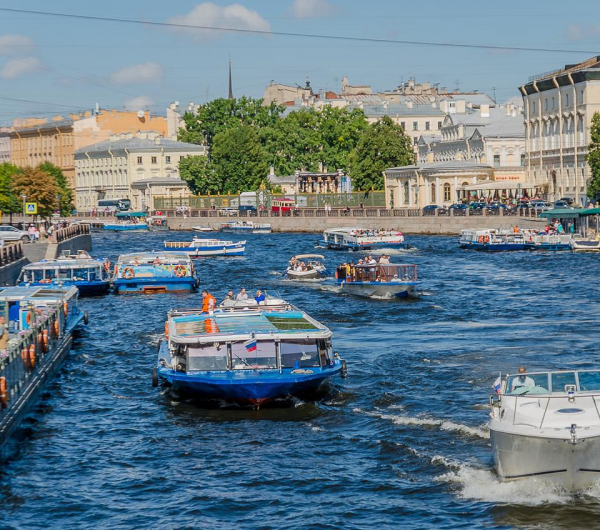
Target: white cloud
208 14
141 102
311 8
577 32
16 44
14 68
138 73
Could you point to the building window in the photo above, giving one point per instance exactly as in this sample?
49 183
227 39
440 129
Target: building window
545 103
415 140
168 159
427 126
433 197
415 125
566 100
403 125
153 159
181 158
522 160
533 106
139 159
447 192
439 124
406 192
496 160
553 102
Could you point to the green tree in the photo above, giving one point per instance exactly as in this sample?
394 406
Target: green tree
65 201
239 159
200 175
593 158
340 131
39 187
220 115
382 145
9 202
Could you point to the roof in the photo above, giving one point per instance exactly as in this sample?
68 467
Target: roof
400 110
451 165
67 122
571 213
283 179
158 181
141 144
131 214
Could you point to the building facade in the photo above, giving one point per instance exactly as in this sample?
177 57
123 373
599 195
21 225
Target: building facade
4 145
137 168
558 108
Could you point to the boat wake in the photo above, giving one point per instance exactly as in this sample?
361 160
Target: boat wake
444 425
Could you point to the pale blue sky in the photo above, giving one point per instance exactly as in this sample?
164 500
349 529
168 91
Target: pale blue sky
113 63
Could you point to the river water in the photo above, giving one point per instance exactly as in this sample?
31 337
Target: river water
402 442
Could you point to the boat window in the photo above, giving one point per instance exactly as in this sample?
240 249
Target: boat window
589 381
207 357
39 275
64 274
299 353
560 379
528 384
265 356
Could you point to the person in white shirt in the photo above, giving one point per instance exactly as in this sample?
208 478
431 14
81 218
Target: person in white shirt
242 295
522 380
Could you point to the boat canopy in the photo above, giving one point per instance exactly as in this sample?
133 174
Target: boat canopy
568 213
126 215
309 256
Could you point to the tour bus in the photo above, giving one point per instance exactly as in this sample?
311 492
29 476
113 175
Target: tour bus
282 204
114 205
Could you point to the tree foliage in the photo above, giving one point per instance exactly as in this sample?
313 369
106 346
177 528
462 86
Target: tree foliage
65 201
39 187
10 203
200 175
593 158
382 145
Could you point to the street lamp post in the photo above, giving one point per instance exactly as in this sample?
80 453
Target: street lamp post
24 197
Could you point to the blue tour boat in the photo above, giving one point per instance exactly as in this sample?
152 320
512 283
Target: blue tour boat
491 240
128 222
246 352
362 239
379 280
90 276
199 248
154 272
246 227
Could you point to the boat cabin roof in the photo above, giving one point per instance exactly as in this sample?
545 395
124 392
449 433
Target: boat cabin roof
149 257
265 324
309 256
126 215
38 294
52 264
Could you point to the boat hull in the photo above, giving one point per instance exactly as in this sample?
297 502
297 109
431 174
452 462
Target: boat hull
499 247
308 275
154 286
92 288
200 252
585 246
254 387
557 460
379 289
367 246
127 228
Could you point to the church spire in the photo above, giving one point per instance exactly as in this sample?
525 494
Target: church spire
230 83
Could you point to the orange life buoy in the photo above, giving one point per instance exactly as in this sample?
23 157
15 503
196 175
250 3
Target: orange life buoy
480 239
66 308
56 328
45 340
486 239
167 330
32 356
25 356
128 273
3 392
180 271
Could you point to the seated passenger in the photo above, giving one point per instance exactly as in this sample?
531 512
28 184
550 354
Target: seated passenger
522 380
260 297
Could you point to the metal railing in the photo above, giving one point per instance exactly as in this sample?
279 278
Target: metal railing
11 253
63 234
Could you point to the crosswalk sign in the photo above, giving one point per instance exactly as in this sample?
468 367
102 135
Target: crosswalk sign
31 208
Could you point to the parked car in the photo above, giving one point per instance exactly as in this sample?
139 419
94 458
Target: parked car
457 206
10 233
560 204
226 212
497 205
539 205
478 206
431 208
568 200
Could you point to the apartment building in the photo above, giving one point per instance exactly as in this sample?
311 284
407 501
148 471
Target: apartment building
558 109
132 167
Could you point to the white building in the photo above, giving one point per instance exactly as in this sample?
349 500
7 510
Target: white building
4 145
559 107
137 168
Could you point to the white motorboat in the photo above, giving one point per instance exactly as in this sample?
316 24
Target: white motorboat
207 247
203 228
580 243
547 425
362 239
306 267
246 227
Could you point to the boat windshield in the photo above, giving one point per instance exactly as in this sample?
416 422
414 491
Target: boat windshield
553 382
207 357
300 353
264 356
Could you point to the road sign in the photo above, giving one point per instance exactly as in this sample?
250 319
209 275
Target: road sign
31 208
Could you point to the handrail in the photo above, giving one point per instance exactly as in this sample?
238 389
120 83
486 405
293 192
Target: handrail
62 234
11 253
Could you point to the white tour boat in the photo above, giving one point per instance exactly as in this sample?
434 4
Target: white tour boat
381 280
306 267
362 239
580 243
246 227
207 247
547 425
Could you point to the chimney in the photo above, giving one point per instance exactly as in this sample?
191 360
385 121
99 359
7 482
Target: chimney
461 106
485 110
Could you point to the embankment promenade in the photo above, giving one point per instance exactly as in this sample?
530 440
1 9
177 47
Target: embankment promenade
410 221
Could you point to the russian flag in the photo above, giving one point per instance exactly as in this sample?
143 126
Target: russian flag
250 345
497 384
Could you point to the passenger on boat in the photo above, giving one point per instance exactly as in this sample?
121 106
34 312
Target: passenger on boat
342 272
294 262
260 297
229 296
522 380
516 229
242 295
384 260
3 334
208 301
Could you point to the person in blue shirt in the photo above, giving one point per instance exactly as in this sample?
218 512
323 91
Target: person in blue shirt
259 296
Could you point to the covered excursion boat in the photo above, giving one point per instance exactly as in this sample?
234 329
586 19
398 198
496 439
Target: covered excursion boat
90 276
154 272
362 239
380 280
129 222
248 352
246 227
198 248
306 267
546 425
492 240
